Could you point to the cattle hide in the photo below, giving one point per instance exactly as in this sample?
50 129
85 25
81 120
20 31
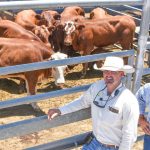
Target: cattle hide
21 51
103 32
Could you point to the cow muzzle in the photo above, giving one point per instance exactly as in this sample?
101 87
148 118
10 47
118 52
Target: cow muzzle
68 40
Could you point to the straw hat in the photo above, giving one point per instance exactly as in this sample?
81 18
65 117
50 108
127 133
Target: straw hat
114 63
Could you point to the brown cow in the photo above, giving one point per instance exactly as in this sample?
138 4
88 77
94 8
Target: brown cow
11 29
72 13
98 13
49 18
27 19
101 33
29 51
38 24
56 37
43 33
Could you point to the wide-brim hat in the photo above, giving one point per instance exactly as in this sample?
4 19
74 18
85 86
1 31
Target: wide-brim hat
114 63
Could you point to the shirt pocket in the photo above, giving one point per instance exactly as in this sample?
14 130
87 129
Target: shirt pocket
110 117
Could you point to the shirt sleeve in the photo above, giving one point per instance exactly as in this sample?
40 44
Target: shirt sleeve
141 97
82 102
130 123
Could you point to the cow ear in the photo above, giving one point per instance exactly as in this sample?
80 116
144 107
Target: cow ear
37 16
91 15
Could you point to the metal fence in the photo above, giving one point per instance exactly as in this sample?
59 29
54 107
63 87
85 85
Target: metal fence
41 123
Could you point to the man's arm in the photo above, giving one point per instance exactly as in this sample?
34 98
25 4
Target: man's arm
82 102
142 96
130 123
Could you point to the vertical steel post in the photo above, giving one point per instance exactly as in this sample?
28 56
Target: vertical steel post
142 42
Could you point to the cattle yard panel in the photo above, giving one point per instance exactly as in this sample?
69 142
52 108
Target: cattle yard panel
49 64
40 123
142 44
27 126
39 97
54 63
67 143
24 127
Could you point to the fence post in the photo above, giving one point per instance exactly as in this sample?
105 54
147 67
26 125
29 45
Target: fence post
142 43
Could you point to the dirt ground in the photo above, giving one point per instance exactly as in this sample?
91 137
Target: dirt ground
9 89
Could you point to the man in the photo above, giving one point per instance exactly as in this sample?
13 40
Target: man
143 96
114 109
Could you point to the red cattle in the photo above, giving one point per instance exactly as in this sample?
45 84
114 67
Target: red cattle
11 29
29 51
83 37
98 13
72 13
49 18
36 23
56 37
43 33
27 19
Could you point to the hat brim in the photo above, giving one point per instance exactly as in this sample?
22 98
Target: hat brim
125 69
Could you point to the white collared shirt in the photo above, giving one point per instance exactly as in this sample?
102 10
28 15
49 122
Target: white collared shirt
116 124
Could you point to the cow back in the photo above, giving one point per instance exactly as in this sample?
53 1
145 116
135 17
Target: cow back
26 18
13 30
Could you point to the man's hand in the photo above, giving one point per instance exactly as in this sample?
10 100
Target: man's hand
53 113
145 125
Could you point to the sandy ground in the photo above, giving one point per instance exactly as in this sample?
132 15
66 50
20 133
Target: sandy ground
9 89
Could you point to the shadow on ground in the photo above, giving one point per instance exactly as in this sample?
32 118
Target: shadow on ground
9 86
22 110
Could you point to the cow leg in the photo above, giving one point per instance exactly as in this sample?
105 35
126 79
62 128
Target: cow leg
87 51
22 86
126 43
85 67
31 81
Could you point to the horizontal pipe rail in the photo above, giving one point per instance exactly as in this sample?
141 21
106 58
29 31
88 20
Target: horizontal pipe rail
137 20
54 63
63 144
13 5
133 8
43 96
68 143
28 126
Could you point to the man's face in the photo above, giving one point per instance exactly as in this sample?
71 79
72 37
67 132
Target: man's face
113 77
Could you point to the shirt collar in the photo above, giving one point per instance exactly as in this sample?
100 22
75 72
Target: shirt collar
119 87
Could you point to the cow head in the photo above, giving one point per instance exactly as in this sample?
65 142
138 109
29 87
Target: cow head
42 32
58 72
56 37
69 28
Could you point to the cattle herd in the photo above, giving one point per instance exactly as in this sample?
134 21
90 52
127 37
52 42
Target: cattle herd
33 37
